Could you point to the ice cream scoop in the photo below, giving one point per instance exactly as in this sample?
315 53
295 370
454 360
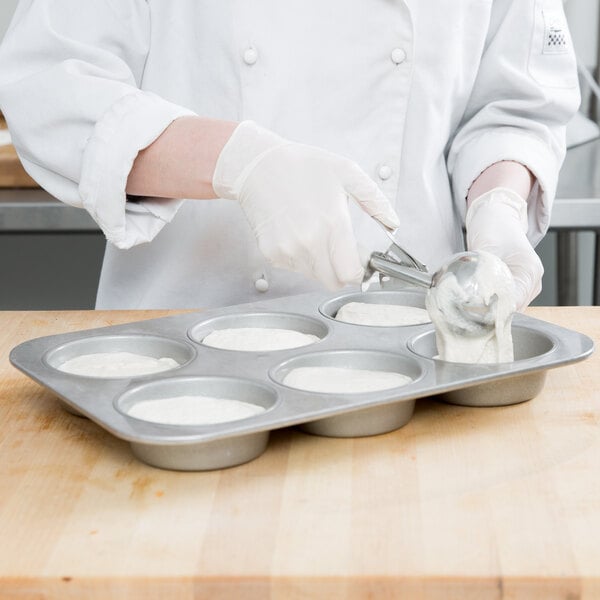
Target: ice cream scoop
468 301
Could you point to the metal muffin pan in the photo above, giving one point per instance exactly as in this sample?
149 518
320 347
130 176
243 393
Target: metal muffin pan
529 344
257 376
211 455
366 421
148 345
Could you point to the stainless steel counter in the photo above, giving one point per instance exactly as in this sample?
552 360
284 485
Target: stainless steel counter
34 210
580 176
577 208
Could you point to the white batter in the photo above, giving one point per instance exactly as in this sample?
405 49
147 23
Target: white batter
116 364
341 380
258 339
459 339
381 315
193 410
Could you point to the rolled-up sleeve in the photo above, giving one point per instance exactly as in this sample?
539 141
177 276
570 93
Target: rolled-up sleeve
525 93
70 81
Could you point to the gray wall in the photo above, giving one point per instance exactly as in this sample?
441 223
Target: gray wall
7 7
583 22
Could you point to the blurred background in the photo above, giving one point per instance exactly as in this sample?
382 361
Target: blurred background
50 254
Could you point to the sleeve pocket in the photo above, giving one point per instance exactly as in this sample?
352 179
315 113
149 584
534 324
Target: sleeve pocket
552 61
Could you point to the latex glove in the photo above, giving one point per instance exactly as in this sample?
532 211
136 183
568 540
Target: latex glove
497 222
296 200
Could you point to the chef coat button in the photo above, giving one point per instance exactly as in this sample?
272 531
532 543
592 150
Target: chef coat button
261 285
398 56
250 56
384 172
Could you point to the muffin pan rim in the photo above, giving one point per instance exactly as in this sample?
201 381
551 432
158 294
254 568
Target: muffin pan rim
206 323
410 343
282 365
193 428
186 345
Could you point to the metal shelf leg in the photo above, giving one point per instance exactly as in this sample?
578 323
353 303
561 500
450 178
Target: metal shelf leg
566 261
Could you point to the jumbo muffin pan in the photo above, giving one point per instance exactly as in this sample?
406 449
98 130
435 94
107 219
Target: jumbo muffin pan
259 377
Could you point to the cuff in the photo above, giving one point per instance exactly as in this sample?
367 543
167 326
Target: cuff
130 125
519 146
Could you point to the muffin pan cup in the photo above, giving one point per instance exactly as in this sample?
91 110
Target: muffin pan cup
148 345
408 350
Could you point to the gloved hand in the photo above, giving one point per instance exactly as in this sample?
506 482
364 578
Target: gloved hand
296 200
497 222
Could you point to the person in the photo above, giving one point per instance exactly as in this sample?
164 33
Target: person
295 131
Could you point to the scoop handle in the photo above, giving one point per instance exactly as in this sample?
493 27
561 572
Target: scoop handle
382 263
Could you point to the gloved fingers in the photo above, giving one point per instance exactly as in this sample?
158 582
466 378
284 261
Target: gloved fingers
524 295
364 254
328 262
277 255
525 292
524 264
527 273
496 222
323 271
344 254
334 262
368 196
312 261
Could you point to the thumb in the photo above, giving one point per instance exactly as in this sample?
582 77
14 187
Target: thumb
364 255
369 197
527 286
521 295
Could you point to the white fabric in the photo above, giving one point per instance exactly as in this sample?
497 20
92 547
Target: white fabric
84 90
497 222
5 139
296 200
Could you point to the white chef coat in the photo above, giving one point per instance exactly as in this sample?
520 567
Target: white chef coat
422 94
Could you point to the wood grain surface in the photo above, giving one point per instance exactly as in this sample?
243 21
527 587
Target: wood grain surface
12 173
461 503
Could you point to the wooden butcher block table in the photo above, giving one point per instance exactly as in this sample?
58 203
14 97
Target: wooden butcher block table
461 503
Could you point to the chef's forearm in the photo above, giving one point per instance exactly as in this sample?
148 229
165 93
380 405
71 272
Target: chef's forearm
508 174
181 161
